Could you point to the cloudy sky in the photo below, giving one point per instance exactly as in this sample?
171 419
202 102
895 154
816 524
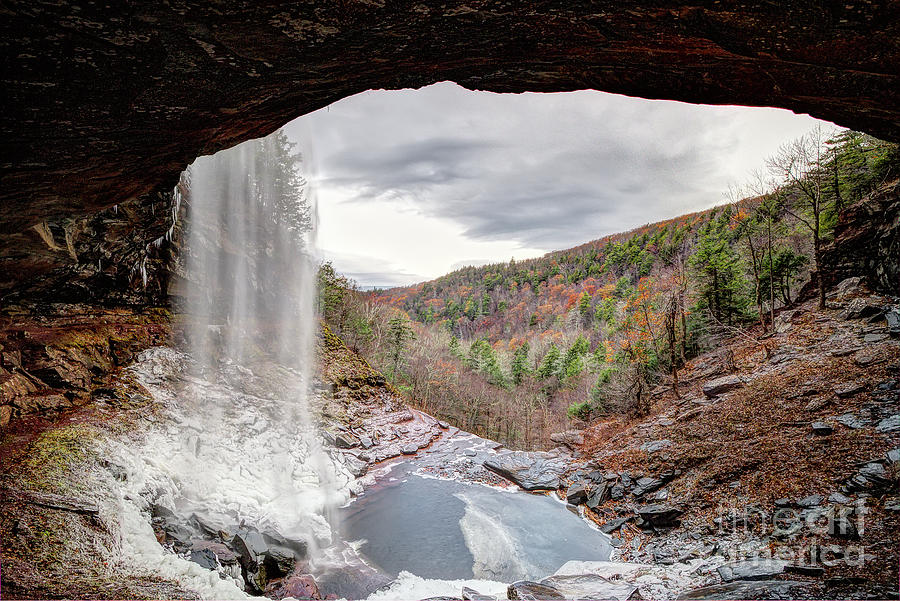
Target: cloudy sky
412 184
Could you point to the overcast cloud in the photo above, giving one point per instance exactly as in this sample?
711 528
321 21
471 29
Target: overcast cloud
412 184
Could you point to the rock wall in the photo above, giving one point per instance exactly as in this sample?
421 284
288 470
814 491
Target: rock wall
117 257
50 364
107 102
867 242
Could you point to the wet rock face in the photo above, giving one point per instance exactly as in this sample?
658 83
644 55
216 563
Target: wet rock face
121 256
530 470
867 242
104 103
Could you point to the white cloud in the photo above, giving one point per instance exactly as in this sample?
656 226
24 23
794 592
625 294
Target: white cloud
413 182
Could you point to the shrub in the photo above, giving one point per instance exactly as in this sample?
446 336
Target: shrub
580 410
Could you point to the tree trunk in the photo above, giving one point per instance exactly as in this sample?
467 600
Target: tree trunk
838 201
817 245
771 273
759 311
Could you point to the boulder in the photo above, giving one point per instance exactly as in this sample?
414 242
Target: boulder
410 448
469 594
614 524
178 535
345 440
821 428
658 515
599 495
852 421
296 586
863 308
251 548
848 389
272 537
570 438
532 591
530 470
204 558
893 321
279 561
810 501
845 287
221 554
872 478
751 569
646 485
874 337
889 424
655 446
744 589
365 442
721 385
867 358
577 494
590 586
783 321
357 466
839 499
893 456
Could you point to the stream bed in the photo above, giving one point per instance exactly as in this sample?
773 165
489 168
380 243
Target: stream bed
455 527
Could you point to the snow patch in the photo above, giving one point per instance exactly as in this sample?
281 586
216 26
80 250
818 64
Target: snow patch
409 586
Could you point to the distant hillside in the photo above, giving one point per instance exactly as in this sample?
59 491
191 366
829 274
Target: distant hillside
518 350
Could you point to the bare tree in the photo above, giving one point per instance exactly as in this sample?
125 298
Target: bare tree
799 166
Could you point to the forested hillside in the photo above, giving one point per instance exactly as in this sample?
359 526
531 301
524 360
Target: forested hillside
518 350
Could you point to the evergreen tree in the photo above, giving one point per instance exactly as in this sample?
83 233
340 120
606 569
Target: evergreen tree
722 287
454 347
572 363
584 307
520 368
399 334
550 363
486 304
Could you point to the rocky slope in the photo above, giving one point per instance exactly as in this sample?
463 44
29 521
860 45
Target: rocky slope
867 241
785 450
52 363
70 525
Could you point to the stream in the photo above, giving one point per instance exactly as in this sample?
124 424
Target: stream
453 527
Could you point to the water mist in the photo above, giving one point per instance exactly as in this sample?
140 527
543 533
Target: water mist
239 448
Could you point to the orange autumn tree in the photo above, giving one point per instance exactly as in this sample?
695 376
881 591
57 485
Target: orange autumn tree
635 349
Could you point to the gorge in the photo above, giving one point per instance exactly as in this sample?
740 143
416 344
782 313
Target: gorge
192 407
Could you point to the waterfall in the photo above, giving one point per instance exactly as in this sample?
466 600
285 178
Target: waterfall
238 448
250 283
248 311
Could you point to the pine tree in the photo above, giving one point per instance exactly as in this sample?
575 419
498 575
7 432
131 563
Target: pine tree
399 334
717 267
520 368
486 304
550 363
454 346
584 307
572 363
